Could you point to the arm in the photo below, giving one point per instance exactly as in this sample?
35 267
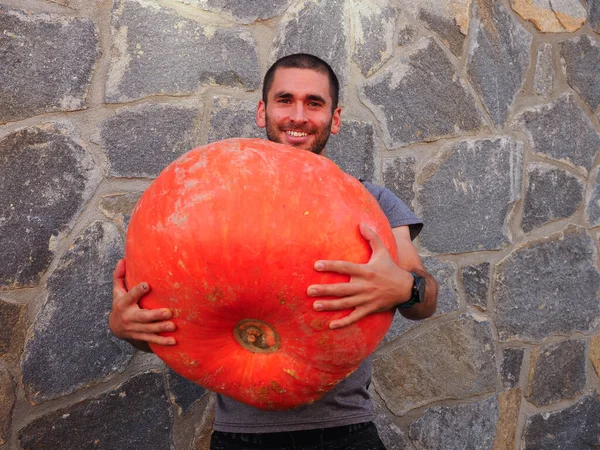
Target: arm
129 322
409 260
378 285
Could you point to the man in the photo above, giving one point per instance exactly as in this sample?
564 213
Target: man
299 107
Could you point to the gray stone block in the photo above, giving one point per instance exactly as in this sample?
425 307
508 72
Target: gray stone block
594 353
70 345
399 177
552 194
476 282
183 392
242 11
594 14
7 402
406 35
232 118
118 207
319 28
455 360
557 372
543 81
73 4
581 56
419 98
498 58
512 360
592 207
155 51
406 31
45 179
391 435
142 141
576 427
548 287
353 149
448 19
134 416
467 201
47 63
373 23
560 130
467 427
445 275
446 28
13 325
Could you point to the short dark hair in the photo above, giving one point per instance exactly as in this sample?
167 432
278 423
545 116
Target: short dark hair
303 61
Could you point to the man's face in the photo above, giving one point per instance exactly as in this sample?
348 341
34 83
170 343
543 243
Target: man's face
298 110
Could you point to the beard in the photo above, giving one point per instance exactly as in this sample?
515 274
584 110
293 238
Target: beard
318 144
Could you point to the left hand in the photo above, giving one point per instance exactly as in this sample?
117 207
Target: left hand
373 287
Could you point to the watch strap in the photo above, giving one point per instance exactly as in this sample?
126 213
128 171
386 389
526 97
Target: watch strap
416 296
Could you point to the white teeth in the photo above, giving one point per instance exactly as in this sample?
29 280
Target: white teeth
297 133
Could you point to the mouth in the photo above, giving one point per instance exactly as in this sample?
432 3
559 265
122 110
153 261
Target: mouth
296 133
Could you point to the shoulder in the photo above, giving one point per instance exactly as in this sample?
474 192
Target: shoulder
383 194
379 191
372 188
397 212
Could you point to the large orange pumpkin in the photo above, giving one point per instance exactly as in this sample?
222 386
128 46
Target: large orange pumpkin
227 237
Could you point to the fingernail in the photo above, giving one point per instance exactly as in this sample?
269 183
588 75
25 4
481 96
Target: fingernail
172 341
318 306
333 326
312 291
319 266
170 327
166 314
144 286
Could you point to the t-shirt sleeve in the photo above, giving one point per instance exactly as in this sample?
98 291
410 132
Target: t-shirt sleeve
395 209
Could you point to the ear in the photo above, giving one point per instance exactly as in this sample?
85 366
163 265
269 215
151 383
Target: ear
261 121
336 121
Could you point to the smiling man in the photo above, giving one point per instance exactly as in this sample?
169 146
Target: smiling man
299 107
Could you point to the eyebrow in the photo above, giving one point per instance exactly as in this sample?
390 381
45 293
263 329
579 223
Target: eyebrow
312 97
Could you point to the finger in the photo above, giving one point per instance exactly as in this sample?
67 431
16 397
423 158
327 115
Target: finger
341 267
372 237
337 305
135 294
119 276
152 315
351 318
154 338
119 271
335 290
152 327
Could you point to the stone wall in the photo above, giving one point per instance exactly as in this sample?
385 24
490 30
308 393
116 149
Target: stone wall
483 115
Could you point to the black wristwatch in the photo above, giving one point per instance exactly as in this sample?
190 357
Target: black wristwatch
418 292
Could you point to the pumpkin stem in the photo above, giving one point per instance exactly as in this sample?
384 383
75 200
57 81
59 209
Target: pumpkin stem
257 336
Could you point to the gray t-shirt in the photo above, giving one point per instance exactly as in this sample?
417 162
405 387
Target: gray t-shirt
349 402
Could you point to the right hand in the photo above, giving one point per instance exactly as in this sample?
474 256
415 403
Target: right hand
130 322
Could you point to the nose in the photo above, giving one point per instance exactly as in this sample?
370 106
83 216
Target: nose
299 113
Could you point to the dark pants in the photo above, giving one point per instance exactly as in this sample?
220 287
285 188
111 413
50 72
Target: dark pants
362 436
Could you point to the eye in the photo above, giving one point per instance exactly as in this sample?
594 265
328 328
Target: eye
315 104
